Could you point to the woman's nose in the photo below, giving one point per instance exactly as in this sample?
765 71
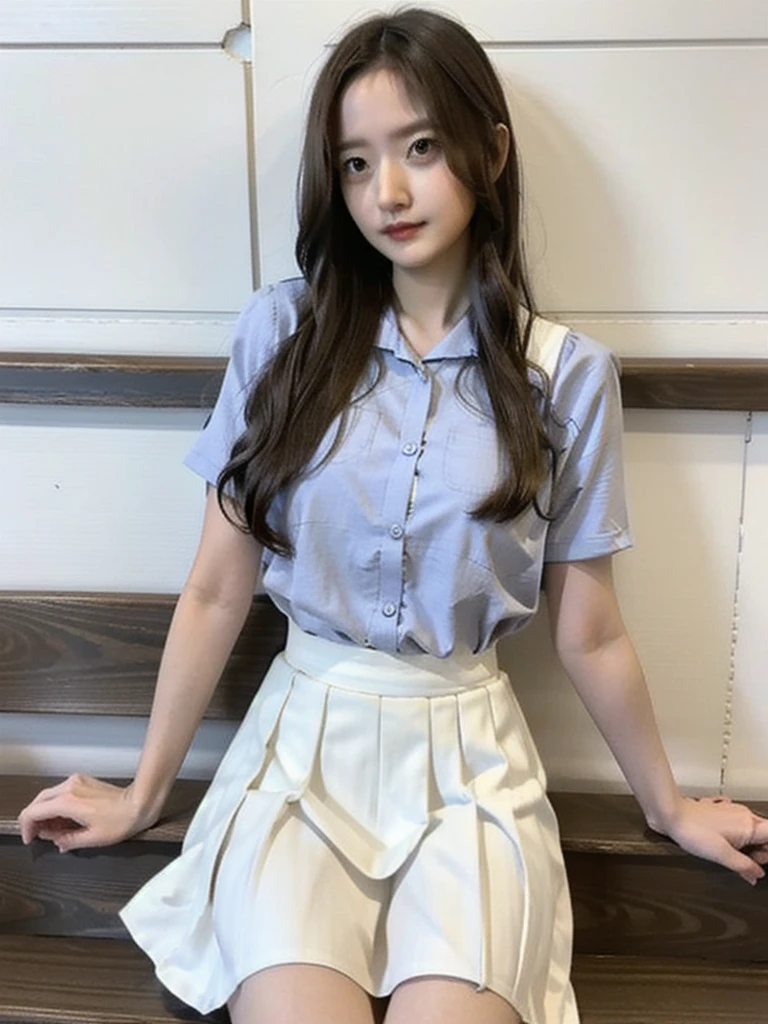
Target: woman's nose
393 187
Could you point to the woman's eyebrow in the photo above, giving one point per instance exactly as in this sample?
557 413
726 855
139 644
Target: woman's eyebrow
401 133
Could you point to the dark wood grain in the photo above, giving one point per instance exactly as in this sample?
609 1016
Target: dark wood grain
84 981
607 823
153 381
592 823
194 382
631 906
635 990
624 902
735 384
657 906
45 893
99 653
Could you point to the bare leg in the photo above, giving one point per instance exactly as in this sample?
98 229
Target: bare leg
302 994
438 1000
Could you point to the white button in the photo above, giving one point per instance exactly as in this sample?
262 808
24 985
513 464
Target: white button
396 531
411 448
389 609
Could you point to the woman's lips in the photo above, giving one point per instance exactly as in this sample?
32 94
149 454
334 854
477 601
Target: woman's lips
399 234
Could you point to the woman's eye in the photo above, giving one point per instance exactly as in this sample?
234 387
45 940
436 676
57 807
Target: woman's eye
352 166
424 146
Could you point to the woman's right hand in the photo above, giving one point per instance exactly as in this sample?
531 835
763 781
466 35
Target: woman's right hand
83 812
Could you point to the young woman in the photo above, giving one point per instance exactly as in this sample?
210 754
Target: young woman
402 452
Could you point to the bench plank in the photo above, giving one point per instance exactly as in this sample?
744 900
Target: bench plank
194 382
637 894
84 981
99 654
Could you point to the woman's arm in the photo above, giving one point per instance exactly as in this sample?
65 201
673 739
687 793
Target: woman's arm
209 615
592 644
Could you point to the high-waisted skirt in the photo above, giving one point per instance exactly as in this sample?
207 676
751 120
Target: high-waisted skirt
383 815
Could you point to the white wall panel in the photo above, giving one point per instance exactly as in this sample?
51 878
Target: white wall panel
112 21
123 181
644 170
178 334
684 472
606 20
632 148
97 744
97 499
699 335
546 20
747 751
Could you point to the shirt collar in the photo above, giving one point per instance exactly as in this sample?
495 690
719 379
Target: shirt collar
458 343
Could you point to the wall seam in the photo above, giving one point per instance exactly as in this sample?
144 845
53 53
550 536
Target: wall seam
734 635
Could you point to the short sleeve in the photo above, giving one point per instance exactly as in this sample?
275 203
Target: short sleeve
269 316
252 345
588 495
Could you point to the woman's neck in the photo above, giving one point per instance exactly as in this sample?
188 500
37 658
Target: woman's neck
429 308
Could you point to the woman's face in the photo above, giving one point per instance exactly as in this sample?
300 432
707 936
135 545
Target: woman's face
393 169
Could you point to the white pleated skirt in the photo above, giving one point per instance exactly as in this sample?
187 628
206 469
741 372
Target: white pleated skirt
384 815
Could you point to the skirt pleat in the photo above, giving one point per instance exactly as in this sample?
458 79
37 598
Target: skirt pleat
383 815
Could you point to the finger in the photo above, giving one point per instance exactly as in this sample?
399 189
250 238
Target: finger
43 799
52 829
82 838
723 853
760 830
65 806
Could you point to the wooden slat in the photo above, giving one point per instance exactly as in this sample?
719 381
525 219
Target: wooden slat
145 381
661 906
590 823
193 382
735 384
84 981
44 893
623 905
628 903
99 653
607 823
635 990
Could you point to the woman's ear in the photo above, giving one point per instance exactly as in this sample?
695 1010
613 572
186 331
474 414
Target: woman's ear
501 133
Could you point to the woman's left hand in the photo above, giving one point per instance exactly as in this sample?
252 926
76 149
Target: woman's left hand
715 828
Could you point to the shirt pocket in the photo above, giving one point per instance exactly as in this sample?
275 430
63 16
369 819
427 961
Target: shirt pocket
472 460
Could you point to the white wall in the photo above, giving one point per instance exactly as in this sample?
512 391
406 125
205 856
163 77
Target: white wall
147 182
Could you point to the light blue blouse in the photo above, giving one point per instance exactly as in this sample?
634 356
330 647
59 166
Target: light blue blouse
386 554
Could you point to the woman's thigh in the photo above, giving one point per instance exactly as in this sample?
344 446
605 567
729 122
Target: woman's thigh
438 1000
302 994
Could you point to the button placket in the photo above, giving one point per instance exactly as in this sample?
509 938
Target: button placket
394 511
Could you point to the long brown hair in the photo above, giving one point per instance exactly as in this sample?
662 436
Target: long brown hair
311 380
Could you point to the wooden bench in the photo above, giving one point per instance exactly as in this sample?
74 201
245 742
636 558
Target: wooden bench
660 937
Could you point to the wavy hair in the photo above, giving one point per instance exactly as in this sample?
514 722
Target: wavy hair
312 378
